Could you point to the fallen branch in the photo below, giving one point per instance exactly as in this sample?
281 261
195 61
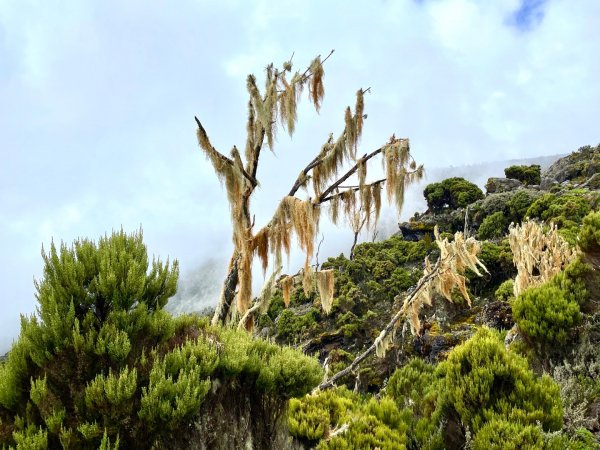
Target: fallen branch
388 329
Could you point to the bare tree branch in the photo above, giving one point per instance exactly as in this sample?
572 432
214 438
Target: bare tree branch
348 174
388 329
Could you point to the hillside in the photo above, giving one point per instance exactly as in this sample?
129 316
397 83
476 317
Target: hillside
371 287
510 362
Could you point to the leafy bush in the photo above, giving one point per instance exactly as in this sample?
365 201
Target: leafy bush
545 314
499 434
525 174
451 193
505 291
103 364
370 423
589 236
483 380
493 226
519 203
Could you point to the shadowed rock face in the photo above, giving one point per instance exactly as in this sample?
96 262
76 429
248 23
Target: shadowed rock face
496 185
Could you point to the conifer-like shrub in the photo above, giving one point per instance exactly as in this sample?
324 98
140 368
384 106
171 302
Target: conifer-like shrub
500 434
525 174
340 419
589 236
545 313
102 364
483 380
493 226
451 193
505 291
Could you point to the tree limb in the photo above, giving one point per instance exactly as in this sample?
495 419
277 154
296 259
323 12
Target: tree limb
348 174
389 327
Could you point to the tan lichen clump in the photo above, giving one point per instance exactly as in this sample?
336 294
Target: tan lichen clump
539 251
286 284
443 278
325 285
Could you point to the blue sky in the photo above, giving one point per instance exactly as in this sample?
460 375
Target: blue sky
98 100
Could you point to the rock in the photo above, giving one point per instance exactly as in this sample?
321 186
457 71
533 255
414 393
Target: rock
497 315
577 167
415 231
496 185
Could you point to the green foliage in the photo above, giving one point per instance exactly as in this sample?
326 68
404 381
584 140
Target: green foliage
525 174
483 380
545 314
589 236
519 203
497 257
493 226
370 423
500 434
451 193
104 365
291 326
566 209
505 291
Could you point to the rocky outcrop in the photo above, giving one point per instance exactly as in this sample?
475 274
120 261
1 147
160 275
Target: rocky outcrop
577 167
497 185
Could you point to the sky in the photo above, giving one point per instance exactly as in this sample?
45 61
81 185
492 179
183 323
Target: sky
97 105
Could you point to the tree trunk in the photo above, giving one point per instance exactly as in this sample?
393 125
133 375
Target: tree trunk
228 292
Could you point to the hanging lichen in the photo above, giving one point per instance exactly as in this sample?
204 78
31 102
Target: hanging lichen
286 283
317 90
538 253
325 285
442 278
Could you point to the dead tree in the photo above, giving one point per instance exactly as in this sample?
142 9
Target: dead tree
322 179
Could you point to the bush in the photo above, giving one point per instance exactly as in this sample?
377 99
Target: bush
518 205
371 423
499 434
451 193
589 236
493 226
545 314
103 362
505 291
525 174
483 380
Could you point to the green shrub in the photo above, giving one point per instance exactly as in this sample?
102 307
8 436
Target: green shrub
525 174
102 363
451 193
499 434
545 314
493 226
370 423
518 205
483 380
589 236
505 291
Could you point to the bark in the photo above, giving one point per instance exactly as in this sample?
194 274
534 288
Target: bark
227 293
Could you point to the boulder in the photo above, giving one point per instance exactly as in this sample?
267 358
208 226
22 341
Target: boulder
497 185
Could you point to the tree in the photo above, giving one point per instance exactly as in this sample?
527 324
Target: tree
276 107
525 174
451 193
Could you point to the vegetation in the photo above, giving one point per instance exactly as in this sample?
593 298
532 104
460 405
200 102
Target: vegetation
409 354
451 193
103 362
525 174
359 205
